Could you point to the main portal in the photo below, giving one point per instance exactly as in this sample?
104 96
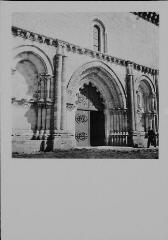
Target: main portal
89 118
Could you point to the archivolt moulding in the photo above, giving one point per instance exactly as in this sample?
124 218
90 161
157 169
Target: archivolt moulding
35 51
147 81
106 82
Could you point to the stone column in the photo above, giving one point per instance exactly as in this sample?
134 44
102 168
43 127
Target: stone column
44 121
153 103
157 99
130 103
107 125
42 88
157 89
63 94
57 100
40 131
48 97
61 138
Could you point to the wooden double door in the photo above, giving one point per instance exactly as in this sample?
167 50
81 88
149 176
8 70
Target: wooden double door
89 128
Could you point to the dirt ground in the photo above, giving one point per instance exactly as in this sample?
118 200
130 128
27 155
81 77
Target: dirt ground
97 152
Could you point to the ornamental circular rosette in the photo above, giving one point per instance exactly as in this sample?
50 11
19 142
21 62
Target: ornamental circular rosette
81 118
81 136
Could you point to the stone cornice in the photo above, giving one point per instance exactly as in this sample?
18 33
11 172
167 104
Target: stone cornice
69 47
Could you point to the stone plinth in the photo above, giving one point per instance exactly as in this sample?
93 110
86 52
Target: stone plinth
26 146
139 139
63 140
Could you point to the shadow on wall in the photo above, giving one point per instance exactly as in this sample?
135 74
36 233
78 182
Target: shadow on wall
47 144
31 117
25 80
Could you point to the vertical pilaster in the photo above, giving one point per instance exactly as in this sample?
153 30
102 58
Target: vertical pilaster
44 121
63 94
153 102
40 121
157 89
131 103
36 132
48 97
157 99
57 100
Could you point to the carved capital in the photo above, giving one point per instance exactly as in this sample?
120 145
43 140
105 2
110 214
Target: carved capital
60 48
129 68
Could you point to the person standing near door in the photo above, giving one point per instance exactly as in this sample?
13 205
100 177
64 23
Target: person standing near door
151 138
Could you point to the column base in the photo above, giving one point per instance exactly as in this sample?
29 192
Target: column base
137 139
59 140
26 142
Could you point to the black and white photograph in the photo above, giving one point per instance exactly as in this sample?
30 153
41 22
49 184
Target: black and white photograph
83 120
85 85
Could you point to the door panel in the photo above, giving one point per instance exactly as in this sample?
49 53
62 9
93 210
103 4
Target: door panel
82 128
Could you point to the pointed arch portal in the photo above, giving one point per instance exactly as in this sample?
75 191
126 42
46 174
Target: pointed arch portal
89 117
100 102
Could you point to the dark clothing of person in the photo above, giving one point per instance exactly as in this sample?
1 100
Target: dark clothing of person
151 138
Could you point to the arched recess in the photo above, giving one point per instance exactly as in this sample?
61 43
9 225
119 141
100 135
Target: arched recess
103 78
146 80
145 103
36 51
28 63
112 93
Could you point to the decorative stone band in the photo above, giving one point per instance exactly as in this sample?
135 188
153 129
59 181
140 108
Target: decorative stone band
22 102
28 103
64 46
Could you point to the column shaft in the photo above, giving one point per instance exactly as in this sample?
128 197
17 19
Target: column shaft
157 101
63 94
44 119
42 88
40 126
130 98
157 92
131 103
57 104
48 87
39 118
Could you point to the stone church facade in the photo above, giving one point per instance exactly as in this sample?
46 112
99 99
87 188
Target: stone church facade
97 86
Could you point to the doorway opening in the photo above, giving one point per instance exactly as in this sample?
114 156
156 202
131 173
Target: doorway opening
97 128
89 117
